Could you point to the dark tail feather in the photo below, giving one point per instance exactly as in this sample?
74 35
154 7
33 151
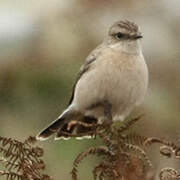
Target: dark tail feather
77 130
51 129
65 117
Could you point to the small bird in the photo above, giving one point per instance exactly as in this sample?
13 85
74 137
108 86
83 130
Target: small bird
111 82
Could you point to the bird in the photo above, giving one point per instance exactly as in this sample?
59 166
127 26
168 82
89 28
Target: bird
112 81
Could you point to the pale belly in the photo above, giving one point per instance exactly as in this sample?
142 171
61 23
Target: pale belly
123 87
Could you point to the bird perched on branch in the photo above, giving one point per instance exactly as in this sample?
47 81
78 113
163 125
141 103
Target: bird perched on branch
111 82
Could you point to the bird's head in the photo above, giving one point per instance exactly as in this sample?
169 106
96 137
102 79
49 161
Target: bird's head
126 35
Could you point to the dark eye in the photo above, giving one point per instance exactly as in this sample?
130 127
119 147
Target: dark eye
119 35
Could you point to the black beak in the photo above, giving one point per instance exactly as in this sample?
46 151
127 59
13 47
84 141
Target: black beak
138 37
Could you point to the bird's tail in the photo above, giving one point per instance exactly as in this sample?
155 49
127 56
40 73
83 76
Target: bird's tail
66 126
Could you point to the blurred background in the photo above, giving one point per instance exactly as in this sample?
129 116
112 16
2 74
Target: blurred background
44 42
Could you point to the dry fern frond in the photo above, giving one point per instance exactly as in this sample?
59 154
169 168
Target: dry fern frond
135 139
169 174
123 159
21 160
167 149
125 155
100 150
104 167
141 153
128 124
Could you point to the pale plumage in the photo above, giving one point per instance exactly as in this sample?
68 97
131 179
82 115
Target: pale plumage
112 81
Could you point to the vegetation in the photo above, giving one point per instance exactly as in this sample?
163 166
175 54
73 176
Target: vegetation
124 155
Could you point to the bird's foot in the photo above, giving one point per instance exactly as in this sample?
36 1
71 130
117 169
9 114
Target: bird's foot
106 126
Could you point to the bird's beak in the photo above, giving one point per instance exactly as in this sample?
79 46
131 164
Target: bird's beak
138 36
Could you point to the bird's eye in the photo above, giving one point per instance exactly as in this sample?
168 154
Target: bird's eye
119 35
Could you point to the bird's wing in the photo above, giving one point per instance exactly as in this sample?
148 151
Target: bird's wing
93 56
84 68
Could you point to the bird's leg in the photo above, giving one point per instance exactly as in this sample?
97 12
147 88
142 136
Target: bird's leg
107 112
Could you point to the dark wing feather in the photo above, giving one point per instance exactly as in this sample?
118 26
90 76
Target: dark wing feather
84 68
